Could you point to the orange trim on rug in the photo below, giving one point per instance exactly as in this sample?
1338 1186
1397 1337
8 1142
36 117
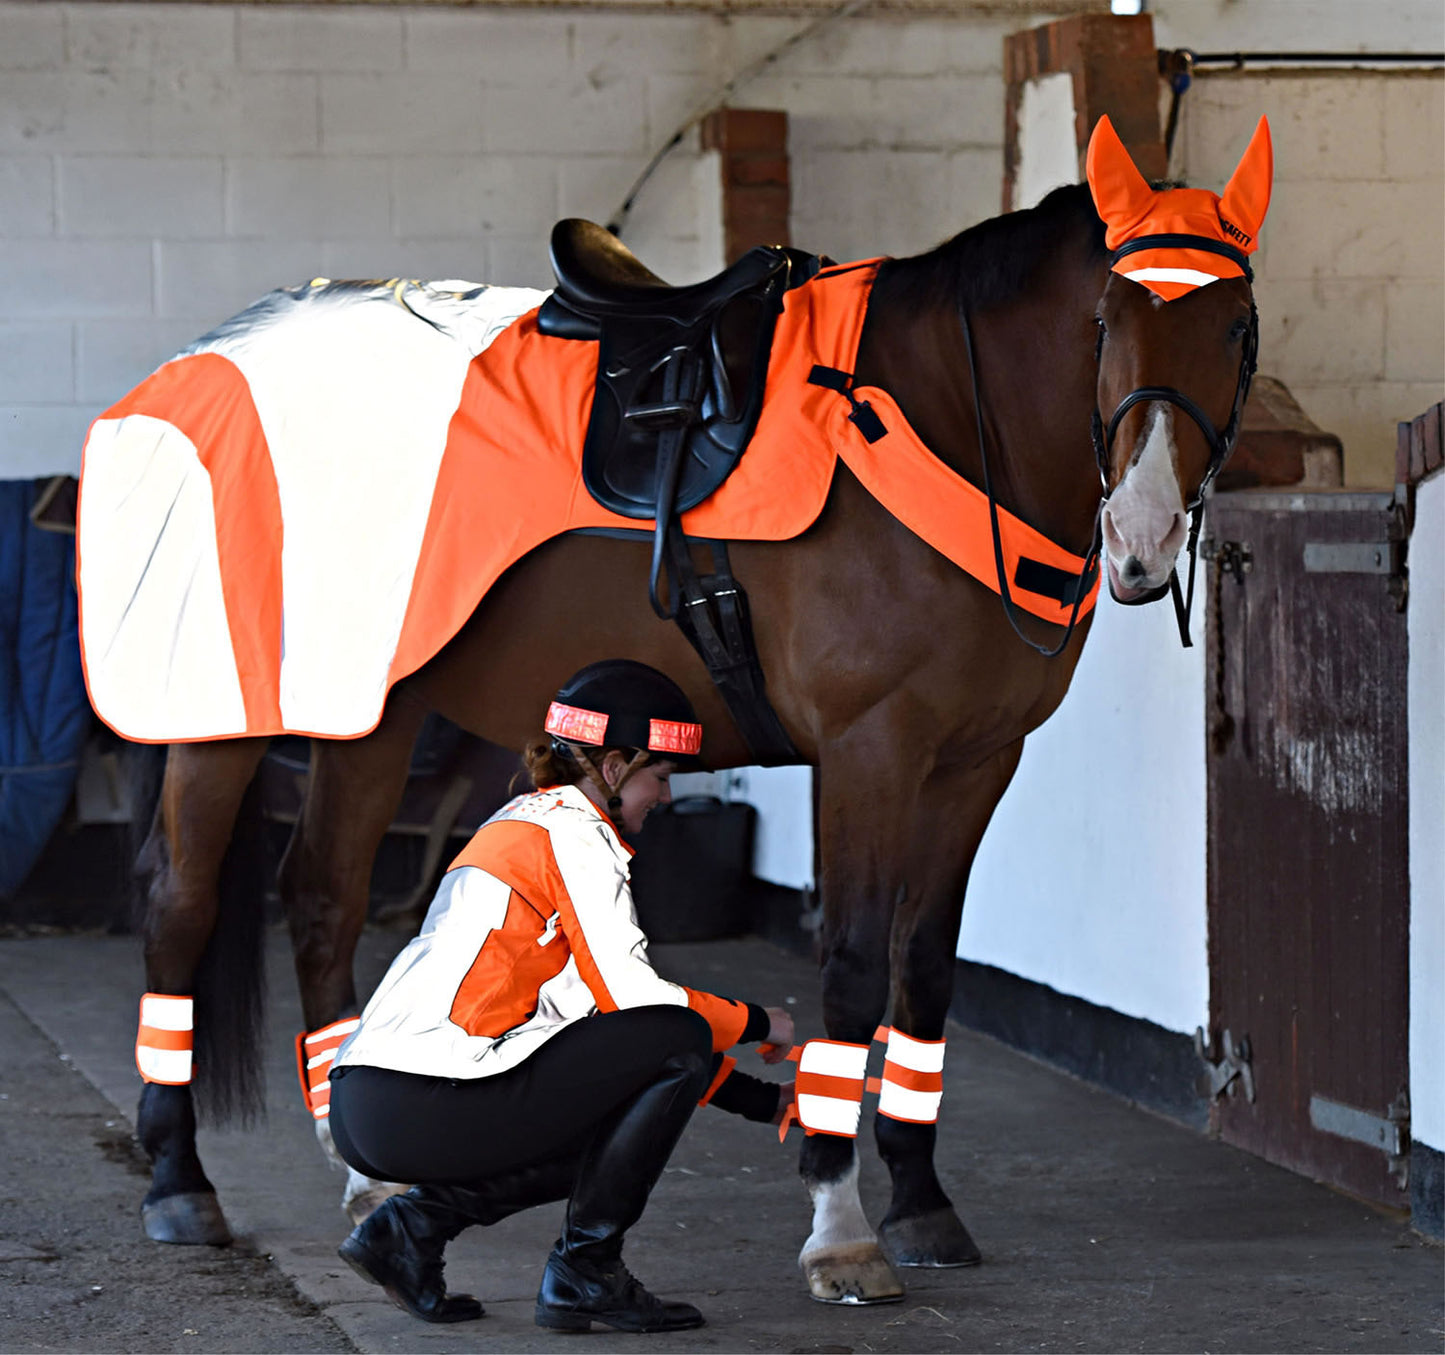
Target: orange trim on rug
206 397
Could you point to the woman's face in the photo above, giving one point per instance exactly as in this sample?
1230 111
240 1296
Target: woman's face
646 788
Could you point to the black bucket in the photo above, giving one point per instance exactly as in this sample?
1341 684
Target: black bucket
693 868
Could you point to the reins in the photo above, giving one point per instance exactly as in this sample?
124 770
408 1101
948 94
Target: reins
1010 607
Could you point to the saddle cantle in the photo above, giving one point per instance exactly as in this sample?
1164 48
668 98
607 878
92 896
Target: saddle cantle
689 361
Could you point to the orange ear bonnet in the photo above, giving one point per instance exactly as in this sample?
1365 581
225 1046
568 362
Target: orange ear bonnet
1173 240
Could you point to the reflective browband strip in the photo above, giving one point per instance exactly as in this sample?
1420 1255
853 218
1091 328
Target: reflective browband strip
164 1039
832 1077
1203 243
314 1055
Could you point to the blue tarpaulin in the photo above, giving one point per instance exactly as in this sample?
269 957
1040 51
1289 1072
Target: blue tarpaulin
44 713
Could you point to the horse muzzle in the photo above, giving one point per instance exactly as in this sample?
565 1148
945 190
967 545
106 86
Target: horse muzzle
1133 585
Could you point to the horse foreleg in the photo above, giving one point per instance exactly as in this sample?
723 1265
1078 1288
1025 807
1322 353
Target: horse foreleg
351 798
200 798
860 882
921 1227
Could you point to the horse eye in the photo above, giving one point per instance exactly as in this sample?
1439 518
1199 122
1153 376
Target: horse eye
1238 330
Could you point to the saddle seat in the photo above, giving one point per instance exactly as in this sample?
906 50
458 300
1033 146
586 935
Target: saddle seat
597 275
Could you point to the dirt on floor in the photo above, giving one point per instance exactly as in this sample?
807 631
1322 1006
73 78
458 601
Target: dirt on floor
76 1271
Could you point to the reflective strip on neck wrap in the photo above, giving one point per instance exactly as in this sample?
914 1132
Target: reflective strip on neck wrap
315 1053
912 1085
164 1038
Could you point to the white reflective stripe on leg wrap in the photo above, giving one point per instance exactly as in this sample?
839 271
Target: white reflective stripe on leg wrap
316 1051
164 1038
912 1085
829 1092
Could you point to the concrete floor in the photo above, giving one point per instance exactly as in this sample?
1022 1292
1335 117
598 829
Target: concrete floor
1103 1228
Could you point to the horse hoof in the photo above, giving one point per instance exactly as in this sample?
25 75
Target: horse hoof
937 1239
189 1220
364 1203
853 1274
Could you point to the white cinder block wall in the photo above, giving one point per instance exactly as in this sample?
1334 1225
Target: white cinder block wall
162 165
1351 269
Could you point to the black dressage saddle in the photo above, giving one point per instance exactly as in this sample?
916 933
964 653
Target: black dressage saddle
680 379
689 362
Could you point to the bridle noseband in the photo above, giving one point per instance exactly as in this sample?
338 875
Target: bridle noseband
1220 443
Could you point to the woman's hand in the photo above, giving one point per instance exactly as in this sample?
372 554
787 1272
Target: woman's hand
780 1035
786 1096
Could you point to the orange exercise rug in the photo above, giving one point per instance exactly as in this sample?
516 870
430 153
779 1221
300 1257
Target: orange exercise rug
307 504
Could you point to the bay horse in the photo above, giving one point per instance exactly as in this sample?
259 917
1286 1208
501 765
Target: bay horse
896 674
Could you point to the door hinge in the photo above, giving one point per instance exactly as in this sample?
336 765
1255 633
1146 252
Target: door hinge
1386 556
1231 1071
1390 1133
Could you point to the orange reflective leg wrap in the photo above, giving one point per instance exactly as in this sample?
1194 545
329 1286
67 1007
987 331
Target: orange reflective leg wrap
164 1039
829 1090
912 1084
314 1054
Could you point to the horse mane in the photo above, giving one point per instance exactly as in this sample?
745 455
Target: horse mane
995 261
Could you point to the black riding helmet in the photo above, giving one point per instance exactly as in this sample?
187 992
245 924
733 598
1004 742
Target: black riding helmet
619 703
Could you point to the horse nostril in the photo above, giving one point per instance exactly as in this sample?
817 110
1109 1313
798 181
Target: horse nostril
1133 571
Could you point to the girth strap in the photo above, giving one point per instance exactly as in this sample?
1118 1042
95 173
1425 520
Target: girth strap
712 611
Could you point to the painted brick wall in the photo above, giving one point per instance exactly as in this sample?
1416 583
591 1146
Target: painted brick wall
162 165
1351 269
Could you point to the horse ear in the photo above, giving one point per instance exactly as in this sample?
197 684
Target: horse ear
1246 198
1121 194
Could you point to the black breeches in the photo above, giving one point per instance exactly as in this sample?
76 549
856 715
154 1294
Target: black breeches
406 1127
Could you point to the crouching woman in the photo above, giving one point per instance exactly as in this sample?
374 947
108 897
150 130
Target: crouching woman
522 1049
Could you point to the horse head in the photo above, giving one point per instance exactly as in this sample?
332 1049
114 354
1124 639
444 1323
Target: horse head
1177 335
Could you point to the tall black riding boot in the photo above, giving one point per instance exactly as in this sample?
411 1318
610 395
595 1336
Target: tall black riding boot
400 1244
586 1280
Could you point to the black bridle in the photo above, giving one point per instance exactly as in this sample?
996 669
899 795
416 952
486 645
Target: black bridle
1221 444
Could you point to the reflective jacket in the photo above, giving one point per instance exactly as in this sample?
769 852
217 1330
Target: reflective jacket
531 929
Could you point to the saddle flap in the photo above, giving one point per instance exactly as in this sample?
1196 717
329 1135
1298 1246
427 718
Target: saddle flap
728 360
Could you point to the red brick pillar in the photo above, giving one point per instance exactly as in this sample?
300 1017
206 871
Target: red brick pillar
1115 69
753 146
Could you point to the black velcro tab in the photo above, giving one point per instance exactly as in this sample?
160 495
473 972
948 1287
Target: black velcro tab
830 378
1034 576
865 417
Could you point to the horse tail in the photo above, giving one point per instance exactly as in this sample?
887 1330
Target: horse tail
229 985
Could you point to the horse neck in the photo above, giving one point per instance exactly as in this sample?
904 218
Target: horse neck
1037 379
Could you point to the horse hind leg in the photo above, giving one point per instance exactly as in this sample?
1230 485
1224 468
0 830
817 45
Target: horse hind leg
189 845
351 797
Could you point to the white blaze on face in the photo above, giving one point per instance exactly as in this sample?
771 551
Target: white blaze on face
1144 520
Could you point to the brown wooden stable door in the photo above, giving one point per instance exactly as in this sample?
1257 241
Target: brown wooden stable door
1308 883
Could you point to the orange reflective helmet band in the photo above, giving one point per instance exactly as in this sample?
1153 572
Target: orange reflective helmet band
315 1053
576 725
832 1078
1172 240
164 1039
674 736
